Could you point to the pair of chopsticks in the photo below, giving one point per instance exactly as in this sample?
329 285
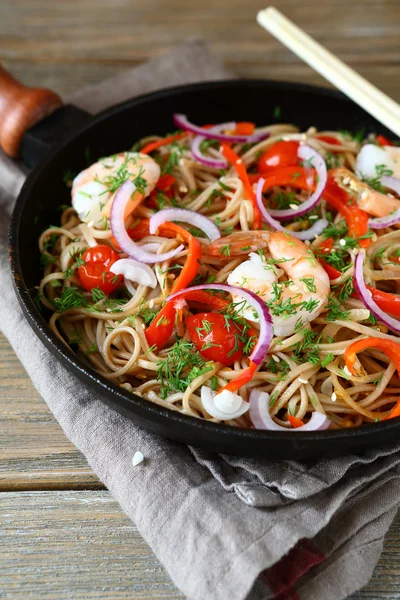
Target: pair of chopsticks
366 95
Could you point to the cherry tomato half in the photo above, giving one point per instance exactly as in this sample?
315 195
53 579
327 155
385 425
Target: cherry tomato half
216 337
280 154
96 272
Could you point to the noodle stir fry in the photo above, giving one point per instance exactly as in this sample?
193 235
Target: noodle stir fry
238 275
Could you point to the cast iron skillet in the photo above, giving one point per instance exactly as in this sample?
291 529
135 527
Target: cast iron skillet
117 129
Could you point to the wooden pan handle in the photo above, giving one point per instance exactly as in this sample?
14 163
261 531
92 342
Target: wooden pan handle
20 108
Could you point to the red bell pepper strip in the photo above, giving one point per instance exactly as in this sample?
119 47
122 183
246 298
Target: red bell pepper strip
150 147
356 219
387 302
295 422
395 412
329 139
388 347
237 162
240 381
162 326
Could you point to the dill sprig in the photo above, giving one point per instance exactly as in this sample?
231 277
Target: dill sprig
71 297
182 365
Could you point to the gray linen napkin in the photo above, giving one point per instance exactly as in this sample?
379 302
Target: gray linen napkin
224 527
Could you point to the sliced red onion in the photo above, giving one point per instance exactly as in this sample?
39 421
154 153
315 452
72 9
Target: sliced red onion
309 234
134 271
261 418
117 223
182 122
185 216
265 337
366 298
391 183
315 160
223 406
215 163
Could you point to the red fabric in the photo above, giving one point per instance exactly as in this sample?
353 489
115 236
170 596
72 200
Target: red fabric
282 576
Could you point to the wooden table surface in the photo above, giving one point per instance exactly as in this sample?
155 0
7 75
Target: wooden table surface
63 536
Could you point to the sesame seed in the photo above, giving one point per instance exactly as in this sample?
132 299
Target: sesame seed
183 189
346 180
239 161
333 397
276 358
293 206
342 242
313 217
303 380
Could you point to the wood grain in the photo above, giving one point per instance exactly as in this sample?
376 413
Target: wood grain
84 547
34 452
78 544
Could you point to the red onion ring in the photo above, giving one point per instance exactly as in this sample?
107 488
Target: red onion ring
261 418
365 295
265 337
314 231
315 160
185 216
117 223
182 122
215 163
391 183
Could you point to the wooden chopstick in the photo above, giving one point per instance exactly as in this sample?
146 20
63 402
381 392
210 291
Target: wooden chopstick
366 95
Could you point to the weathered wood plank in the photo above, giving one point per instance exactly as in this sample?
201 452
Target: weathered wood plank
59 545
34 452
64 544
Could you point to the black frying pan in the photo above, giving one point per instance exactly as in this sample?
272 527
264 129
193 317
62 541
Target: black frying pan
116 129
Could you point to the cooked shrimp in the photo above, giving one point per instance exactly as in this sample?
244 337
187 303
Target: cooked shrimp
298 299
368 199
93 189
238 243
372 156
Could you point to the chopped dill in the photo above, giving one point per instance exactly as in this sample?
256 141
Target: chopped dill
182 365
225 250
97 294
71 297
